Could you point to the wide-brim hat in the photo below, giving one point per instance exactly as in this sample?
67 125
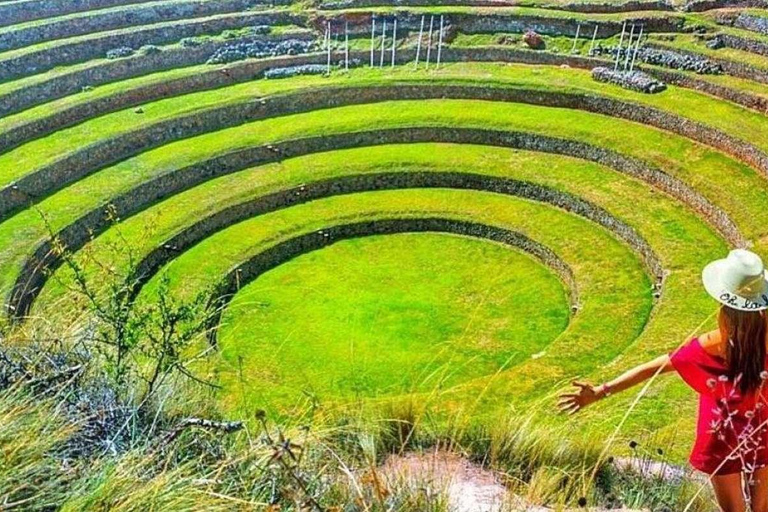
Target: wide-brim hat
739 281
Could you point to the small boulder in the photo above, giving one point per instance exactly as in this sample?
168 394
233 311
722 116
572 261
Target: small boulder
715 43
534 40
507 40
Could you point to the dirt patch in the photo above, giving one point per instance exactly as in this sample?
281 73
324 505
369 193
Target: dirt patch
469 487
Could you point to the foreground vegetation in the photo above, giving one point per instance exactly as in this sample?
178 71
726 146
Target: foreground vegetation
70 443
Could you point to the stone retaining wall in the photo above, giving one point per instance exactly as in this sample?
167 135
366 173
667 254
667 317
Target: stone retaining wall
108 71
706 5
131 15
744 44
286 250
20 12
584 7
473 23
746 21
244 71
76 235
84 49
609 7
733 68
745 99
99 155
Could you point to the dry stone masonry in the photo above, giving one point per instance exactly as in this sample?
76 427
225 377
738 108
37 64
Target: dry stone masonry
38 266
633 80
260 48
666 58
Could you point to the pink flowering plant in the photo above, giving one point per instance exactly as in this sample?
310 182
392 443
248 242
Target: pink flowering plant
741 422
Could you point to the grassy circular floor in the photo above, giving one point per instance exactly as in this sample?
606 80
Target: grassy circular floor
387 315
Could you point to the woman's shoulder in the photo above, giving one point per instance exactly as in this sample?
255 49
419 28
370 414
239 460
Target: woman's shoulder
713 343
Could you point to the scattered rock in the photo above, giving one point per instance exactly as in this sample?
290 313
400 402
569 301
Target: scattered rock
261 30
150 49
534 40
751 22
633 80
190 42
306 69
119 53
353 63
259 48
715 43
696 29
666 58
139 110
508 40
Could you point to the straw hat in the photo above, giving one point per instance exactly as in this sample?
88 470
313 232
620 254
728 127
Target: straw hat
739 281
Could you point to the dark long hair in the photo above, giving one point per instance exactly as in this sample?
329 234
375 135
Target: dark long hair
744 332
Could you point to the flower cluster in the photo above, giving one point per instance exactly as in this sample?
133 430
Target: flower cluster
741 428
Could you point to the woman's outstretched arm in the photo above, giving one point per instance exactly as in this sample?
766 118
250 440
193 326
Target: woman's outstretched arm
586 393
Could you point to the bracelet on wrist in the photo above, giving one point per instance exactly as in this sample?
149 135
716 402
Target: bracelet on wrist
605 390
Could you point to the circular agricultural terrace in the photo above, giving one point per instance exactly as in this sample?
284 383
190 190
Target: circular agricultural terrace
460 217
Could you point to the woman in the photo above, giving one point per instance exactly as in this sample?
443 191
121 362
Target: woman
727 368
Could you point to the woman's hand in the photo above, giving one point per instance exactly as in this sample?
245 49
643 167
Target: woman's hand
586 394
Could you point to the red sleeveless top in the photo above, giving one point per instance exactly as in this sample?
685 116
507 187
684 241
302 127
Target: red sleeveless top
731 431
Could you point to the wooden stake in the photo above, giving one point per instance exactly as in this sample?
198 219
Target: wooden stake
637 47
328 30
592 45
440 42
621 42
429 39
418 43
629 47
373 36
383 42
394 42
346 46
576 39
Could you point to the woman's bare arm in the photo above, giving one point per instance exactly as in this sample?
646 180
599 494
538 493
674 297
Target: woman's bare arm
586 393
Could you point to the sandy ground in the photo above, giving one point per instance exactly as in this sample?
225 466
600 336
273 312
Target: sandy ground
470 487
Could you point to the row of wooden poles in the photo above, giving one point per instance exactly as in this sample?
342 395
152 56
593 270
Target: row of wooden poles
627 62
393 50
629 65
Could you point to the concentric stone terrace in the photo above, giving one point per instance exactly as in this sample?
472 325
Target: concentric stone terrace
414 205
